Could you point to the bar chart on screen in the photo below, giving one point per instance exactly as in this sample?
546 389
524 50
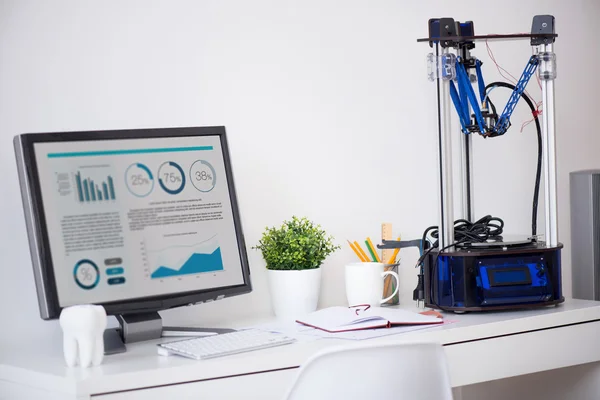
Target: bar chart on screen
89 190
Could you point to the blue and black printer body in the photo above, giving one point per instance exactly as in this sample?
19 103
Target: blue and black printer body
479 279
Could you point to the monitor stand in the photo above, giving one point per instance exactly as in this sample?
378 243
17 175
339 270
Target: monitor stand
147 326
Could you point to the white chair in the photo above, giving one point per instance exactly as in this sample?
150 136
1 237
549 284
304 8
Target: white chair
415 371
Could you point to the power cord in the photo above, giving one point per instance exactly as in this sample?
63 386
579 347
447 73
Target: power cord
538 172
480 231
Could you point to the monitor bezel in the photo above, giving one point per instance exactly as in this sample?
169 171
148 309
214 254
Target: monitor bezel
35 219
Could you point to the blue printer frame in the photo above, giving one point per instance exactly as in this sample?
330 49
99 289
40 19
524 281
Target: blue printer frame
482 277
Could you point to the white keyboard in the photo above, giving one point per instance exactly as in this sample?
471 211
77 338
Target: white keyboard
224 344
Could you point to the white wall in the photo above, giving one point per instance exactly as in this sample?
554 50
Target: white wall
326 103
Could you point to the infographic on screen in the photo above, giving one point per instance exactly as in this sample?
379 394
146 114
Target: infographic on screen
134 218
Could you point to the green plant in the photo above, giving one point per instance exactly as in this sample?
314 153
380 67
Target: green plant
297 244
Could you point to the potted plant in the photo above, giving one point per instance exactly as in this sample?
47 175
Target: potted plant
294 253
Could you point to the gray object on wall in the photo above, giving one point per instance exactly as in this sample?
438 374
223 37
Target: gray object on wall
585 234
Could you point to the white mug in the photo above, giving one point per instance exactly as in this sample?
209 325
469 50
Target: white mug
364 283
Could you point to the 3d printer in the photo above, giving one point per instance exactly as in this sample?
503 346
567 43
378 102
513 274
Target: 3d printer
466 265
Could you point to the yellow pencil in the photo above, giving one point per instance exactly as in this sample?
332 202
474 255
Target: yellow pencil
392 259
374 250
388 280
361 251
360 257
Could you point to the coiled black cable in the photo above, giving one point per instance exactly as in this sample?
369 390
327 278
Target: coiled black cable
480 231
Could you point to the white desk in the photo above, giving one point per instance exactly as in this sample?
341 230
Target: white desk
480 348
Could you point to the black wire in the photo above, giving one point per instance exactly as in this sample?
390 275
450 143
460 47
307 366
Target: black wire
479 231
483 229
489 101
538 172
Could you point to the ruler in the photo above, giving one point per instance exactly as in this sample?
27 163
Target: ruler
386 234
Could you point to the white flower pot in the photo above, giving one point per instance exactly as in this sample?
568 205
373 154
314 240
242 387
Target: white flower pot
294 292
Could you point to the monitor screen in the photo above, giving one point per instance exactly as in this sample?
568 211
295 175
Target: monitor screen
134 218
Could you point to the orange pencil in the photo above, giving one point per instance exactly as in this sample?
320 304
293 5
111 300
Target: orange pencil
394 255
388 280
361 251
360 257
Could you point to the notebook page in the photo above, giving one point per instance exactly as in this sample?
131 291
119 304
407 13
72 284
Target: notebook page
340 318
397 316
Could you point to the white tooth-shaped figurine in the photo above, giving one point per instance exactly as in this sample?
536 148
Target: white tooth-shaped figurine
83 334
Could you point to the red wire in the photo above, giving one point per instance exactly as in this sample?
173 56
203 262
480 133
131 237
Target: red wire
500 69
514 81
535 114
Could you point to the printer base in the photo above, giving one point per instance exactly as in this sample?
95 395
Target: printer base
493 279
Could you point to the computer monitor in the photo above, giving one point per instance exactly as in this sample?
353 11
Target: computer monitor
134 220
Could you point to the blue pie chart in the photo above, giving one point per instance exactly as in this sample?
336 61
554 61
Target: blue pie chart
139 180
86 274
171 177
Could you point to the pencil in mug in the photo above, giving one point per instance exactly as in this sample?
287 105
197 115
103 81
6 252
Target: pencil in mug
372 250
361 251
389 280
392 259
360 256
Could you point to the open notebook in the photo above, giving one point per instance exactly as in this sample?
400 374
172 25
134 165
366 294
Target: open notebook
343 319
